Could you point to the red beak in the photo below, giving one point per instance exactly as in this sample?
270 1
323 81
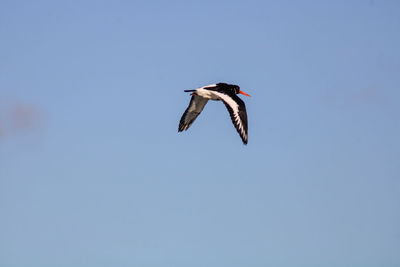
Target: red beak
243 93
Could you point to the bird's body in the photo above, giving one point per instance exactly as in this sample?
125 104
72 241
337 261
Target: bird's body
207 93
227 93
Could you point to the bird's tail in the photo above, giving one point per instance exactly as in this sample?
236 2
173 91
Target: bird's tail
187 91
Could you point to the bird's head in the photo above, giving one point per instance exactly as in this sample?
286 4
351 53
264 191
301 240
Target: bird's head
236 89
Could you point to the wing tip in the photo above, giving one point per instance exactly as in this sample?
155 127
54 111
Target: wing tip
244 140
183 127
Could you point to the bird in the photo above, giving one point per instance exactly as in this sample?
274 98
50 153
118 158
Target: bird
227 93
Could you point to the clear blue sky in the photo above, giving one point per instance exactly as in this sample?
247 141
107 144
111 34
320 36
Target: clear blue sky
94 173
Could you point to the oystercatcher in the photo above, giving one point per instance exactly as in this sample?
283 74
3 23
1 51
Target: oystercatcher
227 93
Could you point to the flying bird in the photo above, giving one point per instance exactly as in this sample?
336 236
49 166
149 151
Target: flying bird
227 93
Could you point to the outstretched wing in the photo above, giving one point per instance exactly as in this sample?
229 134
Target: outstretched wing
237 111
195 107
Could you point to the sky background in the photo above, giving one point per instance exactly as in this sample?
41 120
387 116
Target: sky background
94 173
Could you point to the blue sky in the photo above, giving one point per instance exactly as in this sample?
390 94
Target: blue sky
94 173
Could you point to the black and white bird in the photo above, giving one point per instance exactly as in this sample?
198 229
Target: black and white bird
227 93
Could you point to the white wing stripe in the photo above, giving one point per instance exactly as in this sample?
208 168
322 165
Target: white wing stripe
235 108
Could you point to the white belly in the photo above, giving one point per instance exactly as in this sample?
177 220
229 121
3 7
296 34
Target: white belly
207 94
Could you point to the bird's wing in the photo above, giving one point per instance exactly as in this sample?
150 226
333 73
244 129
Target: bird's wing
195 107
237 110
